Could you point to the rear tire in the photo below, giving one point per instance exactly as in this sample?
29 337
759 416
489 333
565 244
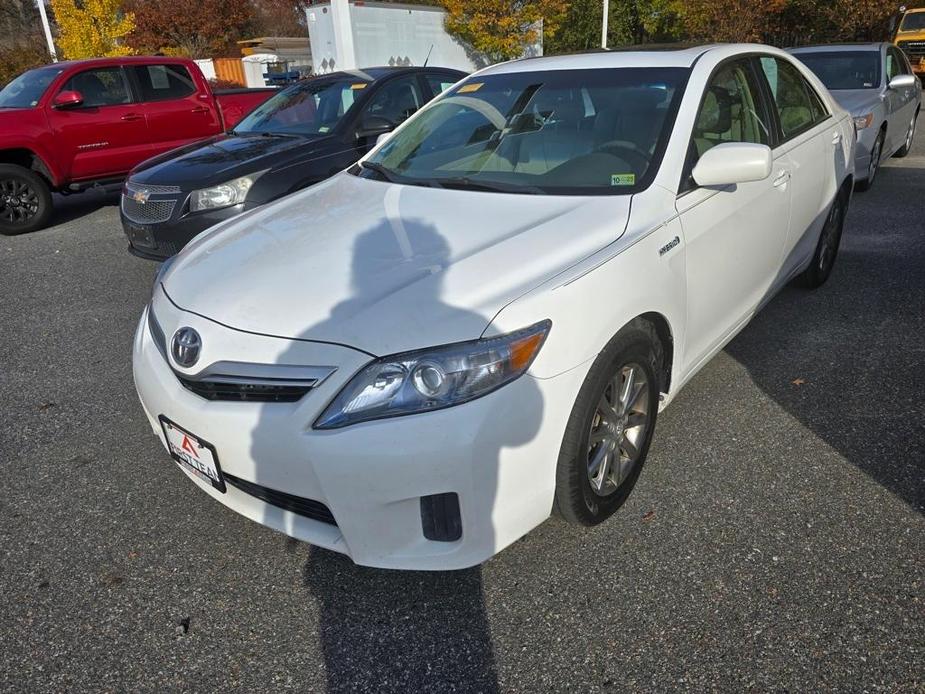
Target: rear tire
609 431
25 200
827 247
876 153
910 136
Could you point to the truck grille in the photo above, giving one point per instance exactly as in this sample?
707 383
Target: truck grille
913 48
150 212
288 502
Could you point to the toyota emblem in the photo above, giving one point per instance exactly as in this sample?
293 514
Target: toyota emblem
185 347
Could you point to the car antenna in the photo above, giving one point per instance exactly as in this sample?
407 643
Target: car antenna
428 54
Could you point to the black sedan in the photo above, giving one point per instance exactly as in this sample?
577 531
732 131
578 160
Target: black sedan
301 136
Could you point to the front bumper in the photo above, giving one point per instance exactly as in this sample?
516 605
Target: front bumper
161 240
498 454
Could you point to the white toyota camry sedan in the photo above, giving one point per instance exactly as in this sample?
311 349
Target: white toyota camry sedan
419 360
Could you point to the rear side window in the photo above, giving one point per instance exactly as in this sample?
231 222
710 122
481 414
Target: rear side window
439 83
798 105
163 82
101 87
731 111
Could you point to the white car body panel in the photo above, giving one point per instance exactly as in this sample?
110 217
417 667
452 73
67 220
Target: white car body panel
353 268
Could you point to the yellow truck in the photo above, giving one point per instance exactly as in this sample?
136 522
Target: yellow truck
910 38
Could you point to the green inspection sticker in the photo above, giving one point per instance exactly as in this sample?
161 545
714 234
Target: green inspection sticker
622 179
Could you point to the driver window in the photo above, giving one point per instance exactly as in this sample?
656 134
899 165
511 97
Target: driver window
396 101
731 111
102 87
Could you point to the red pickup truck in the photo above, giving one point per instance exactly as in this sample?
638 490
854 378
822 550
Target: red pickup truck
73 125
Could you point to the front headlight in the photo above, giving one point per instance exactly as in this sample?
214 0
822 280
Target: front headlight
861 122
432 379
224 194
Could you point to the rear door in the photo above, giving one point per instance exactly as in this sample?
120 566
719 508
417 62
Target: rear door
734 234
179 106
809 142
106 135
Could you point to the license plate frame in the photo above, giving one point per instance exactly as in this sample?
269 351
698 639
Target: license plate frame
190 461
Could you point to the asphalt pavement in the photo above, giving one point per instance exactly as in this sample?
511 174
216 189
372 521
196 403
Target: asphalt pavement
775 541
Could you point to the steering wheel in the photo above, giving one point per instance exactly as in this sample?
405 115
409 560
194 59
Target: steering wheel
633 156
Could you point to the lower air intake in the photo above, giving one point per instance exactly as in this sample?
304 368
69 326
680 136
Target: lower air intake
296 504
440 517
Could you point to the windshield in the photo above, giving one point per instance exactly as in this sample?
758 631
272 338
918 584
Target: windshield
26 90
845 69
914 21
568 132
308 109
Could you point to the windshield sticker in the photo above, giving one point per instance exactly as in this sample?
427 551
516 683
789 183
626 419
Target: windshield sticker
324 128
622 179
469 88
358 85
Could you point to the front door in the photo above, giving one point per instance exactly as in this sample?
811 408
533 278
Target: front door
106 135
735 234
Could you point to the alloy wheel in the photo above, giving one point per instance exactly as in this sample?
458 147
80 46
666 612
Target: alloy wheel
874 164
618 429
910 136
19 201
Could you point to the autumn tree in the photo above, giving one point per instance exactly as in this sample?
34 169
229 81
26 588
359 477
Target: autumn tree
502 29
629 22
199 29
92 28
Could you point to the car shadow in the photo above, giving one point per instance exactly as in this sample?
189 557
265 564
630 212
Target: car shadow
846 360
77 205
387 630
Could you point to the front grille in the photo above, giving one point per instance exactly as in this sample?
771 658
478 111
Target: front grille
150 189
913 48
242 390
288 502
150 212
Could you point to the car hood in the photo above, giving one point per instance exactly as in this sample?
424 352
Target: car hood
223 158
858 102
383 267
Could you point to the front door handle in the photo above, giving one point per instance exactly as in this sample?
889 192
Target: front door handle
131 117
782 178
200 109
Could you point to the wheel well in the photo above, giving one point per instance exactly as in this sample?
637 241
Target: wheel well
663 330
27 159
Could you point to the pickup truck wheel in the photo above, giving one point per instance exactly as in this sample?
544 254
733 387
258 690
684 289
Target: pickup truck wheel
608 433
25 201
827 247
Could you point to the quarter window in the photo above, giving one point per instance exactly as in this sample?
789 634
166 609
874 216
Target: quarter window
731 111
798 105
102 87
164 82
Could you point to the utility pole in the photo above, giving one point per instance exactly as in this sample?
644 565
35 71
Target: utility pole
604 24
47 27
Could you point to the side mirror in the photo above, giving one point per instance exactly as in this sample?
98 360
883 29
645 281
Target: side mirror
68 99
373 126
902 82
733 162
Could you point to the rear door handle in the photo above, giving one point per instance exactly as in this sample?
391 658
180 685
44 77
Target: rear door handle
131 117
836 139
782 178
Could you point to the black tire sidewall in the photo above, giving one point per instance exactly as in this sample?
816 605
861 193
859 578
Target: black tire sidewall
575 500
8 171
814 275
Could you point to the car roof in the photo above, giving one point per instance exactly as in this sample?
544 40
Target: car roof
680 56
124 60
839 47
371 74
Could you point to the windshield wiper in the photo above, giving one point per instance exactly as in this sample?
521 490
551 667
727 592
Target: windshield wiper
387 174
466 183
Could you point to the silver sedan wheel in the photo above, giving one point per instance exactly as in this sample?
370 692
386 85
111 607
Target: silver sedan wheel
618 429
874 164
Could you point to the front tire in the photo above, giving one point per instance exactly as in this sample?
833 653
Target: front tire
25 200
609 431
910 136
827 247
876 152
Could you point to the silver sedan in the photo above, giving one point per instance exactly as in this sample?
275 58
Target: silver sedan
875 83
